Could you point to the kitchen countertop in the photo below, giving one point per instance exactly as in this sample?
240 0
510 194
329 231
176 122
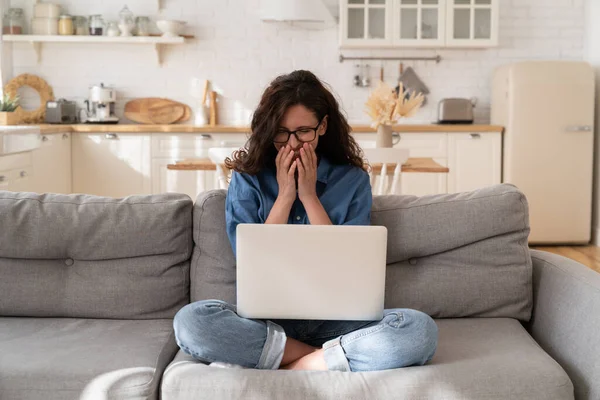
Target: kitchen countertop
118 128
411 165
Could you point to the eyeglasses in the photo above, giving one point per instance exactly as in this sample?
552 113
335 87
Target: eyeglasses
303 135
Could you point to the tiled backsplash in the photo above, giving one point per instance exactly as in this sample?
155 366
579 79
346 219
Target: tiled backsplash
241 54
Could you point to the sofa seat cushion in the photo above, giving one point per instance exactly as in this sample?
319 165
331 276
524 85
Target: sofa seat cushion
477 358
64 358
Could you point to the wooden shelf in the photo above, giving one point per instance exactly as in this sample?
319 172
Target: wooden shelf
36 41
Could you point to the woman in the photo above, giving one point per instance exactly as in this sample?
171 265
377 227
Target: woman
301 166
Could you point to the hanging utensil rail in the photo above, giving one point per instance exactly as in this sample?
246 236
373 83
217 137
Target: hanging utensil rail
437 58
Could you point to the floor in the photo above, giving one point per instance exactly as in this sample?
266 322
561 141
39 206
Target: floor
586 255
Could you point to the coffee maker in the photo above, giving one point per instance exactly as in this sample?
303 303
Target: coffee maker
101 105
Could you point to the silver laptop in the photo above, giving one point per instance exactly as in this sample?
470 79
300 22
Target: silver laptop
311 271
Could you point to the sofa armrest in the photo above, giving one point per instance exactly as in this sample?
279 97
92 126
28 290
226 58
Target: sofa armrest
566 318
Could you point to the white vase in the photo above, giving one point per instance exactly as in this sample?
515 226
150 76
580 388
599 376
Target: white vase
384 136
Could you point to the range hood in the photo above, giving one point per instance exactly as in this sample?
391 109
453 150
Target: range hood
296 11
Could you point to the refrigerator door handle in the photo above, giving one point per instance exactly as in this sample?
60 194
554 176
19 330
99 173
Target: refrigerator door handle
579 128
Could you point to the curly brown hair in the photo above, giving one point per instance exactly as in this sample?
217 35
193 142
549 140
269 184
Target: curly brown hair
304 88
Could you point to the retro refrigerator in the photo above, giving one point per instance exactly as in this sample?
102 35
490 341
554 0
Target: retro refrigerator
547 109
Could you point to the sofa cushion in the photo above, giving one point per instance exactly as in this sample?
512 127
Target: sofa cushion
96 257
454 255
477 358
63 358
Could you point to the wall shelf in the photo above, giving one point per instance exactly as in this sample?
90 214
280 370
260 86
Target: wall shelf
36 41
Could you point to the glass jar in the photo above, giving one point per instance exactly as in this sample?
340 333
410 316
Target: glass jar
126 22
81 26
142 26
96 25
65 25
13 22
112 29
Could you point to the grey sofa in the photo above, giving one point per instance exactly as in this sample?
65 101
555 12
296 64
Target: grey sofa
89 287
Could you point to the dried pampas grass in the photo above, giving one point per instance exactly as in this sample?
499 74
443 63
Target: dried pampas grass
386 108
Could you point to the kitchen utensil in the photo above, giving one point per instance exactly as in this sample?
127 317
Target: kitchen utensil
101 105
151 109
455 111
167 114
61 112
366 81
412 82
186 115
381 73
46 10
400 72
170 28
357 79
213 108
44 26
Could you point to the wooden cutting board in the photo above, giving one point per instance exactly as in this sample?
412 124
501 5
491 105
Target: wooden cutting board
154 110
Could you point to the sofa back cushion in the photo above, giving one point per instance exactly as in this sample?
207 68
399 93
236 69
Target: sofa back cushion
94 257
452 255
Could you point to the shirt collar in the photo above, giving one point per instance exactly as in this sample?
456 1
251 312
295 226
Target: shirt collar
323 170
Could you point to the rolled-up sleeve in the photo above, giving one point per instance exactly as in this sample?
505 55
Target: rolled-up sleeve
241 205
359 211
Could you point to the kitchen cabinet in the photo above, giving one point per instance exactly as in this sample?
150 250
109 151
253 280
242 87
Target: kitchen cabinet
52 164
418 23
16 172
366 22
475 161
112 164
168 149
472 23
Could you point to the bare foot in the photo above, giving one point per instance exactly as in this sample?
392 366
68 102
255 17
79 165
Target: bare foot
314 361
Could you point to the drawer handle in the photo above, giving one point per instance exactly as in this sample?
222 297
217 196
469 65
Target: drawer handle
475 136
23 174
396 138
2 178
111 136
579 128
44 138
65 136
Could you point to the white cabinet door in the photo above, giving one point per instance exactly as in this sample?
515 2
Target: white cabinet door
366 23
112 164
174 181
6 180
474 160
52 164
472 23
419 23
22 179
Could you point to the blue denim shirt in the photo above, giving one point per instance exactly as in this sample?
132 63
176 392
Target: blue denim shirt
344 192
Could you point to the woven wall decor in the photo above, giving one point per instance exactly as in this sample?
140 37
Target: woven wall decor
39 85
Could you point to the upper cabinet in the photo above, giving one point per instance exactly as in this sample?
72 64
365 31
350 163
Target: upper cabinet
366 22
418 23
472 23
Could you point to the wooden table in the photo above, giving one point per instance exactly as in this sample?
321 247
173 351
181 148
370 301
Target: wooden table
427 165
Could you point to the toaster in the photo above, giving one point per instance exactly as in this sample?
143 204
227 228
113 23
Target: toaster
455 111
61 112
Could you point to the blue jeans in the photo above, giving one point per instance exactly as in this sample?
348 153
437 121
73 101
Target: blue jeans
211 330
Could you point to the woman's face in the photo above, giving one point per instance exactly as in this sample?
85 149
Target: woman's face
299 118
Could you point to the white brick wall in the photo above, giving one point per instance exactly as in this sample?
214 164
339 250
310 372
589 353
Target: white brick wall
240 54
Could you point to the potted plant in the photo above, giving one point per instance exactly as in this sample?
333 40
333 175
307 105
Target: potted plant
8 105
385 108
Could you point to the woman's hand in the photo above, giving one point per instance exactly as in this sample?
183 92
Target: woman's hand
307 174
286 169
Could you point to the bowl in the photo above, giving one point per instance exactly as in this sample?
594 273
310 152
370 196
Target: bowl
170 28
